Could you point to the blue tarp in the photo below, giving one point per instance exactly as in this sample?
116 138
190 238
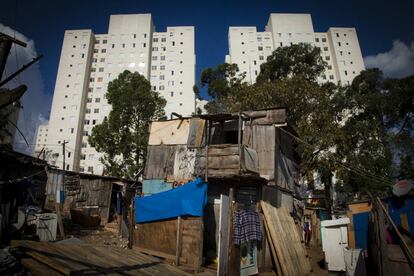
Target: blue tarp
188 199
361 229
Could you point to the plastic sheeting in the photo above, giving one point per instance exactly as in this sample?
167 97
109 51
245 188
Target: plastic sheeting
188 199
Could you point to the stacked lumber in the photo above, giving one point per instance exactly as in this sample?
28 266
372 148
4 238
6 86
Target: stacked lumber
44 258
287 250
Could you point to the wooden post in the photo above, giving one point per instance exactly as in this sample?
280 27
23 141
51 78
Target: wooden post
232 269
59 220
179 241
131 226
239 140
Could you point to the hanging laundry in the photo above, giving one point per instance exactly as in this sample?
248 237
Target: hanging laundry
246 226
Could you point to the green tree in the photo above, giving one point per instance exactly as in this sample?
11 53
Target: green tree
221 82
300 59
123 135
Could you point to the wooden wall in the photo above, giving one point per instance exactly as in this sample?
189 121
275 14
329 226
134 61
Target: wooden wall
159 238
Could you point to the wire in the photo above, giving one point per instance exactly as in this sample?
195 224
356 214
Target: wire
27 143
359 171
21 178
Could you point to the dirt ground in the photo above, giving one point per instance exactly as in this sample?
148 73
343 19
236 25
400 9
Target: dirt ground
317 260
104 236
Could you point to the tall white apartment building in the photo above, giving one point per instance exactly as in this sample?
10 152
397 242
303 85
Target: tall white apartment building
90 61
339 46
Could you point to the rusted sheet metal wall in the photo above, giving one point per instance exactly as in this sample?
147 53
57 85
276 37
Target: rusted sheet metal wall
171 162
90 195
196 135
173 132
160 162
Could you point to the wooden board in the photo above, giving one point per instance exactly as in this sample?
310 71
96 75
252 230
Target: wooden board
223 239
42 258
290 251
160 238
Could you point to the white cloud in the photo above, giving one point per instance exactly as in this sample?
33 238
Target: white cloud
397 62
35 101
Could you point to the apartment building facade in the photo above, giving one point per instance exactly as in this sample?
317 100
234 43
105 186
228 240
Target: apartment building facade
89 61
339 46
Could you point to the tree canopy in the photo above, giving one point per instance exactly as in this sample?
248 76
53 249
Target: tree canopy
123 135
362 132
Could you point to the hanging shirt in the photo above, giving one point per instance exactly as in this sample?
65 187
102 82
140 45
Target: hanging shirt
246 226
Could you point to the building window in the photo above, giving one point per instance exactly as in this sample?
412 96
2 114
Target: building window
100 79
90 169
104 41
97 100
155 39
325 48
162 57
346 73
327 58
153 67
96 110
260 48
103 51
261 57
337 34
133 45
323 39
87 111
144 45
95 51
172 94
281 44
162 67
89 100
172 73
113 46
162 87
163 39
102 60
101 69
331 77
86 122
162 77
339 44
154 58
317 39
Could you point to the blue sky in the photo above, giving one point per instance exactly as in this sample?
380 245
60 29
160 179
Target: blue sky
378 23
382 26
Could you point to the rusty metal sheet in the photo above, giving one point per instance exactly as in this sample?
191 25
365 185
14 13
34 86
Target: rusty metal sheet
172 132
196 134
160 162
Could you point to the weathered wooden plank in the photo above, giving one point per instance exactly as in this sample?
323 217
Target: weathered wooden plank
227 162
222 150
37 268
289 249
70 259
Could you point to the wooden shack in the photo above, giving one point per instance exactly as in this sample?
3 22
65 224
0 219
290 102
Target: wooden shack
238 155
22 183
90 199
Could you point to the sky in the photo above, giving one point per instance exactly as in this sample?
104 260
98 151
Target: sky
385 30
